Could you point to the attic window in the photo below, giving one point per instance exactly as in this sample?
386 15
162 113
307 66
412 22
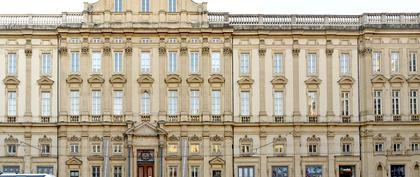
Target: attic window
118 5
96 40
172 40
216 40
145 40
119 40
195 40
74 40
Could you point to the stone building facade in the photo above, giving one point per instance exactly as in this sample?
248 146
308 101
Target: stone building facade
138 88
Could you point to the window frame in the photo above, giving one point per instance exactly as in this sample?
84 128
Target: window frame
376 62
245 103
414 101
118 102
246 171
146 103
172 6
311 64
12 103
172 62
96 171
216 63
172 102
377 102
12 64
395 102
194 102
278 64
313 103
244 64
145 62
194 62
46 64
345 103
145 6
118 6
75 62
395 60
96 60
412 62
46 104
345 64
75 102
118 62
96 102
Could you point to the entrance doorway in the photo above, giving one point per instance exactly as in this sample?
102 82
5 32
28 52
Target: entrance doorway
347 171
145 163
145 171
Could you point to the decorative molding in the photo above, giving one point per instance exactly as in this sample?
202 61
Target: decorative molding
128 51
205 51
28 52
173 138
279 80
313 81
194 138
74 138
106 50
117 80
195 79
398 138
95 138
162 51
216 138
415 78
397 79
74 79
295 51
183 51
262 52
379 137
329 52
415 138
45 83
96 79
117 138
346 80
245 140
11 81
74 161
145 80
173 80
313 140
217 161
347 139
279 140
63 50
216 78
45 140
365 51
379 79
11 140
227 51
85 50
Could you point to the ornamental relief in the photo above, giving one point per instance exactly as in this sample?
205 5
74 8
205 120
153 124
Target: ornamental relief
216 80
45 140
397 80
63 50
106 50
95 138
74 138
45 83
279 82
173 80
28 52
173 138
227 51
205 51
313 140
128 51
245 83
96 81
194 138
346 82
117 138
195 81
216 138
118 80
145 81
347 139
11 82
11 140
414 80
379 81
74 81
245 140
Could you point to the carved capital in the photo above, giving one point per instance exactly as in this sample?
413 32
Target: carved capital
85 50
162 51
128 51
28 52
296 51
184 51
365 51
205 51
329 52
227 51
106 50
262 52
63 50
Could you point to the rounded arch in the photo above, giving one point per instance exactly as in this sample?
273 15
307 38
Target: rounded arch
379 170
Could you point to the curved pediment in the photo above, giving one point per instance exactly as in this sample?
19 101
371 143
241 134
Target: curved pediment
379 79
44 80
11 80
74 161
216 78
217 161
173 79
346 80
414 79
313 81
145 129
145 79
245 81
195 79
397 79
96 79
279 80
74 79
118 79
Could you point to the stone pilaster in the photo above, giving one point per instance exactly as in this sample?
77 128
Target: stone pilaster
128 95
183 69
162 74
28 72
206 151
330 94
227 105
263 112
331 154
28 151
263 154
296 106
298 169
228 151
205 68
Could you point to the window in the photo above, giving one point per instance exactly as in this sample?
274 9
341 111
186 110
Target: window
397 147
194 102
379 147
118 62
395 102
376 62
45 149
173 103
194 148
280 171
398 171
245 148
413 102
377 102
74 148
244 64
145 5
118 148
216 148
311 64
278 103
215 102
395 62
312 148
314 171
74 103
173 148
215 62
344 64
96 103
216 173
96 62
173 171
195 171
46 64
44 170
415 147
46 104
75 62
246 171
117 171
245 104
96 148
11 104
346 148
11 64
279 148
145 104
278 64
118 102
194 62
172 62
96 171
11 149
413 62
145 62
312 103
172 5
74 173
118 6
345 103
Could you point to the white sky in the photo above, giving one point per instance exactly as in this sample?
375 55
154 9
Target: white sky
234 6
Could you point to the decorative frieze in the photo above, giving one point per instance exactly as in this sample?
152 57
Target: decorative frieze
85 50
184 51
28 52
106 50
262 52
128 51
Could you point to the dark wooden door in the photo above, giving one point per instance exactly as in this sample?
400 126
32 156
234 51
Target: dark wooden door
145 171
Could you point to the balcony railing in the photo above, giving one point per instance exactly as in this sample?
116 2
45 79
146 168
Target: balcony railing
396 118
313 119
173 118
96 118
415 118
145 118
379 118
45 119
11 119
245 119
216 118
118 118
41 20
74 118
195 118
346 119
278 119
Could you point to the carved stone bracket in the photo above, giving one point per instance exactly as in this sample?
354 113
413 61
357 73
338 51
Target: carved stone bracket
184 51
295 51
162 51
227 51
106 50
262 52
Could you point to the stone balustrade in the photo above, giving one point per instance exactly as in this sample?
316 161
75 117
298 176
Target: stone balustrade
40 20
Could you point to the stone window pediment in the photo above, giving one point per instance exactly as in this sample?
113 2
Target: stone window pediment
379 79
245 140
280 140
313 81
414 80
379 138
45 140
346 80
11 82
11 140
45 83
216 80
74 80
398 138
74 161
117 138
415 138
145 79
96 80
95 139
313 140
245 83
347 139
216 138
397 80
195 138
117 80
173 80
74 138
145 129
195 79
173 138
216 161
279 82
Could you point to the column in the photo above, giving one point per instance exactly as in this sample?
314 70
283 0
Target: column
367 158
62 150
85 96
297 158
330 94
84 171
163 87
183 69
228 151
27 158
331 154
206 67
296 106
263 157
263 112
28 54
107 89
128 96
184 157
227 68
206 151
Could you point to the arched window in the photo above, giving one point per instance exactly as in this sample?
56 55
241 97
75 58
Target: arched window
145 103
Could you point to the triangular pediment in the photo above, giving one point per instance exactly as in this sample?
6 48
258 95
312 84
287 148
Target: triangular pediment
346 80
74 79
379 79
11 80
173 79
145 129
414 79
397 79
216 78
279 80
96 79
217 161
74 161
44 80
245 81
145 79
195 79
313 81
118 79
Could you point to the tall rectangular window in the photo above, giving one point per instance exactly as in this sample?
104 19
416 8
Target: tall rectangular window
145 5
376 62
246 171
244 64
46 64
96 171
312 103
311 64
395 94
11 104
215 62
377 102
74 174
171 5
118 6
414 102
96 62
118 102
11 64
278 103
74 103
118 62
117 171
172 62
245 103
195 171
145 62
413 62
395 62
345 64
145 104
194 102
215 102
345 103
75 62
278 64
194 62
173 102
46 104
96 103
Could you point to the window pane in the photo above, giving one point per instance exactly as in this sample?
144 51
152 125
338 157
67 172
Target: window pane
244 62
74 102
215 102
172 62
345 103
376 62
11 104
395 62
118 62
311 64
172 5
194 62
145 62
46 64
96 62
118 102
345 63
194 102
173 102
245 104
395 102
145 5
278 64
413 62
413 102
215 62
12 64
118 5
278 103
96 103
377 102
145 103
45 104
75 62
